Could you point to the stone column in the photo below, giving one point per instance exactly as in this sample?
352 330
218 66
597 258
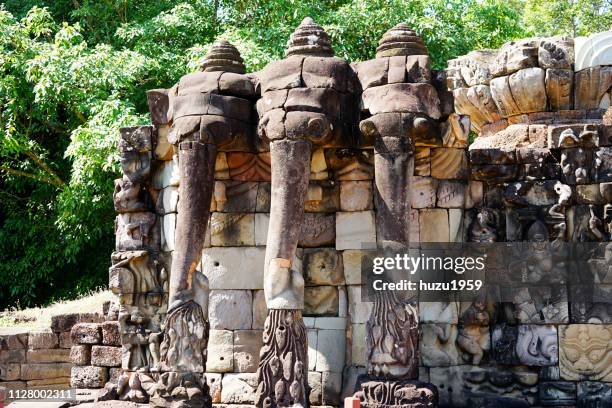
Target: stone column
303 98
209 112
404 108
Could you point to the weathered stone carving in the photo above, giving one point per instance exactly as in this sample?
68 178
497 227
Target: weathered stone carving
585 352
397 393
537 345
284 361
403 112
474 341
208 110
307 99
130 196
484 227
136 231
468 386
135 149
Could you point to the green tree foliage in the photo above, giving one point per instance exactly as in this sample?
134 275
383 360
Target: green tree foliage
75 71
567 17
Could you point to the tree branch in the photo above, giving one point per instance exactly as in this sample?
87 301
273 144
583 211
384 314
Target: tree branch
31 176
57 180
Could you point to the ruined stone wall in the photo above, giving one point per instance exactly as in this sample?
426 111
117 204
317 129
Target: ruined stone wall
519 101
43 358
543 152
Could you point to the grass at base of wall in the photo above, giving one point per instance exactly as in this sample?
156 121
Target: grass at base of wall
40 317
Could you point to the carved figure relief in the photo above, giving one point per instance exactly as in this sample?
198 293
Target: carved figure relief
585 352
537 345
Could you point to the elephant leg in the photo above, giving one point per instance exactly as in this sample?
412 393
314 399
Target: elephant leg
283 368
197 170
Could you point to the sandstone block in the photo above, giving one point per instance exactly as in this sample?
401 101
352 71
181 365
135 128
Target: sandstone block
486 110
230 309
358 346
318 165
314 382
80 354
247 344
323 196
423 194
52 383
12 356
232 229
169 197
88 377
449 163
330 350
64 340
234 268
332 387
220 352
110 334
502 96
458 225
86 333
352 260
312 335
451 194
166 174
355 195
529 90
318 230
422 161
323 267
536 345
64 322
372 72
158 105
353 229
434 226
358 310
163 149
260 310
10 371
329 323
418 68
437 345
403 97
106 356
559 88
13 339
556 52
42 340
238 388
321 301
168 223
262 220
236 196
575 342
44 371
48 356
214 385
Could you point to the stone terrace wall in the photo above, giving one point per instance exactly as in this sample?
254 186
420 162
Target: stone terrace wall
36 359
544 154
520 100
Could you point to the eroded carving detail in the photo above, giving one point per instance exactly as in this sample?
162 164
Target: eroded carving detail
283 366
